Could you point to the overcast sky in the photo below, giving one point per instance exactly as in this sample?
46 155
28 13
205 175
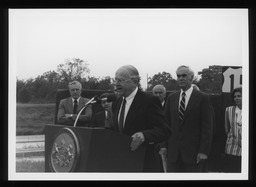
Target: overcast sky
153 40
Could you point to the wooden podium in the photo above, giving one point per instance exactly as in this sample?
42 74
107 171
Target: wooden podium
80 149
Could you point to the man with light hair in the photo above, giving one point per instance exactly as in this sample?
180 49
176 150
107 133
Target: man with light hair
160 91
189 114
70 107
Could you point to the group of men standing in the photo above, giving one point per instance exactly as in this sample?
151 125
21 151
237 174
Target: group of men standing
179 128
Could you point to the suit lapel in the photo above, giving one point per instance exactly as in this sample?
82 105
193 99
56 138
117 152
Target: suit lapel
133 111
70 105
115 117
80 104
191 103
177 105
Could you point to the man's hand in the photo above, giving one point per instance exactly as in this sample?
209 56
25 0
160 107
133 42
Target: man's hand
137 140
68 116
71 116
201 156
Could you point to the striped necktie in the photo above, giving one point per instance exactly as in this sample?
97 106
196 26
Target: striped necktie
182 106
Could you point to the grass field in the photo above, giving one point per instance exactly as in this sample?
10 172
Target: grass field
31 118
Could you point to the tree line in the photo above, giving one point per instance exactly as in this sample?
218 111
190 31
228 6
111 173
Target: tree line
43 88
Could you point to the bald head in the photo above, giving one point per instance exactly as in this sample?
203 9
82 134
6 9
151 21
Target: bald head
126 80
129 72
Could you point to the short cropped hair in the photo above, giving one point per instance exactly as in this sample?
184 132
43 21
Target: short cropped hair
76 83
159 86
189 69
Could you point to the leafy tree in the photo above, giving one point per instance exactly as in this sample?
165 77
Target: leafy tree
210 81
19 85
24 95
91 83
44 87
105 84
163 78
74 69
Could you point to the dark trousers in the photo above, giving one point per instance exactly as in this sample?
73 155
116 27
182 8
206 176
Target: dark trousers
180 166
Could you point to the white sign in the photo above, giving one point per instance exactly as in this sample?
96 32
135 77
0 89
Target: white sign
232 78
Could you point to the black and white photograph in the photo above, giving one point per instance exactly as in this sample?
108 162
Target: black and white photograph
128 94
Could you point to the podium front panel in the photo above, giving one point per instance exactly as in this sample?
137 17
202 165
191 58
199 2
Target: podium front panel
99 150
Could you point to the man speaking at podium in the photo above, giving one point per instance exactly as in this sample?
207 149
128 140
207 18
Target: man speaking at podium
139 115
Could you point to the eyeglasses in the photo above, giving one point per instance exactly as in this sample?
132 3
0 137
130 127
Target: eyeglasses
181 75
104 102
121 81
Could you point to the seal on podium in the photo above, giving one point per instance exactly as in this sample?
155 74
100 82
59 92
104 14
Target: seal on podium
65 151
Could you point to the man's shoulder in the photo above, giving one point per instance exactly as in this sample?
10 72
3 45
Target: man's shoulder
145 95
173 94
84 99
200 93
65 100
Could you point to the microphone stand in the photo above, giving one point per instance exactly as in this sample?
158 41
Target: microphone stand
89 102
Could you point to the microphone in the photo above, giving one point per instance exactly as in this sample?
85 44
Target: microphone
110 98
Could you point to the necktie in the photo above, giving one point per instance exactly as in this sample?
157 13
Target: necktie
75 106
121 117
182 106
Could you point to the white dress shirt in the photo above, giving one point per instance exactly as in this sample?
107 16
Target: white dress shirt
129 101
73 100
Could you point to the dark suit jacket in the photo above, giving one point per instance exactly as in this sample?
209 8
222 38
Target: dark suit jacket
194 134
147 116
98 119
66 107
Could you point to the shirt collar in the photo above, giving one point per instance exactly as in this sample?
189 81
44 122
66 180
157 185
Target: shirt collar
76 99
188 92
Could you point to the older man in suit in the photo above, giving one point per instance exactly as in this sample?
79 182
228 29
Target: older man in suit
70 107
188 113
139 115
160 91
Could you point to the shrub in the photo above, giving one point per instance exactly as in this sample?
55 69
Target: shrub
24 96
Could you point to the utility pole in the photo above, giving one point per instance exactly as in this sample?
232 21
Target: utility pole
147 81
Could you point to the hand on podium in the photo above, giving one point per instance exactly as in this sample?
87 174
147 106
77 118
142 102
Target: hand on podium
137 140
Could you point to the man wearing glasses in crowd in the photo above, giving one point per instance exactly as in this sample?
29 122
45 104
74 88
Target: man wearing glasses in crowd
139 115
